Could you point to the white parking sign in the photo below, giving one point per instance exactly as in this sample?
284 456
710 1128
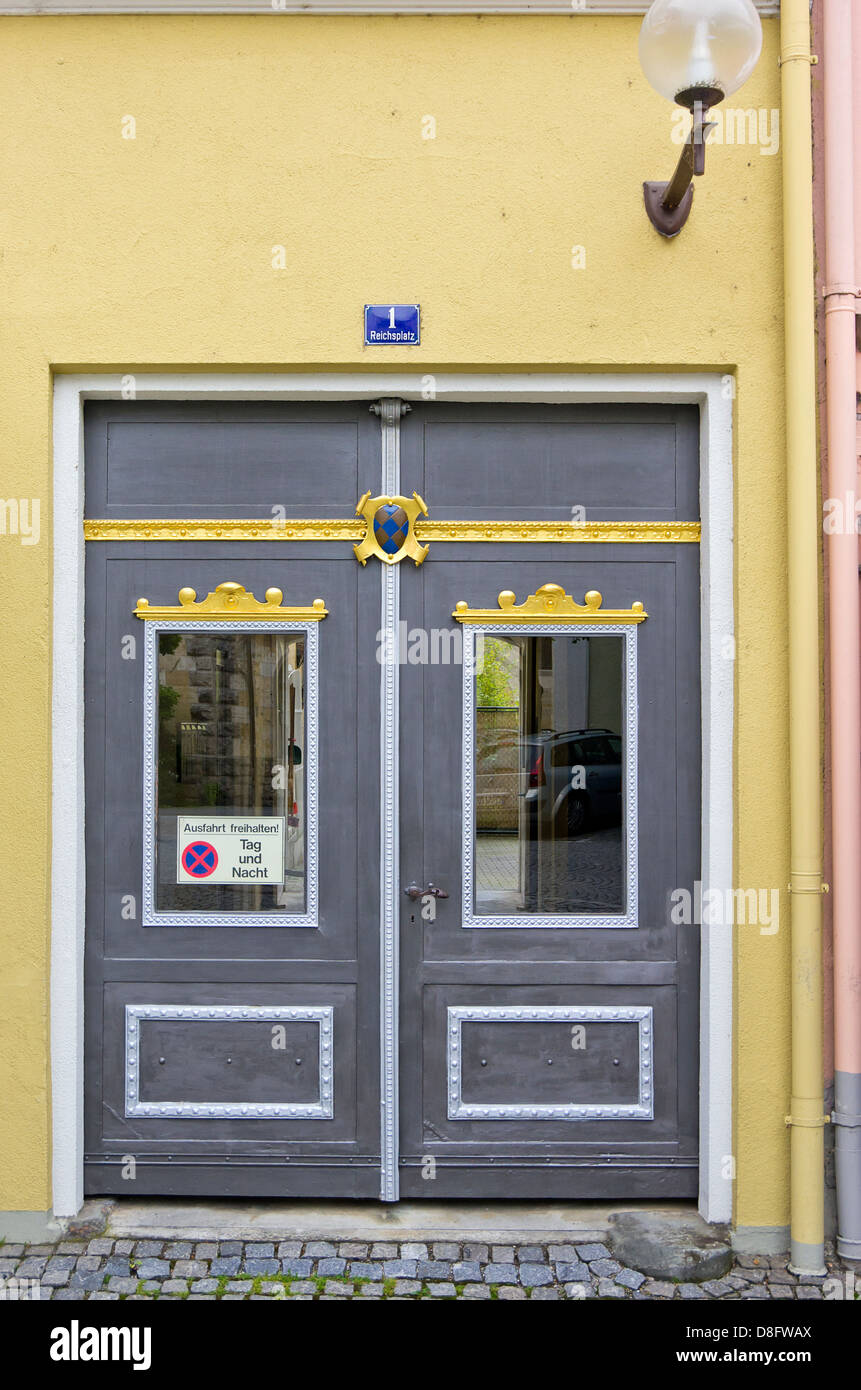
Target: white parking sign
229 849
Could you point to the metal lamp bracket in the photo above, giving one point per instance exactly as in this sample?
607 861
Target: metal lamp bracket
668 205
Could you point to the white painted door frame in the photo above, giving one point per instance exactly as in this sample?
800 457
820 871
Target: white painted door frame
706 390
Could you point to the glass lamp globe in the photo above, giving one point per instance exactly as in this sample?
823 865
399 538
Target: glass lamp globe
699 50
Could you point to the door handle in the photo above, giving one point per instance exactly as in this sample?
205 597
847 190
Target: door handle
415 892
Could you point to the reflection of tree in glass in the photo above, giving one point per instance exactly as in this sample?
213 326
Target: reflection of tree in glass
167 698
498 681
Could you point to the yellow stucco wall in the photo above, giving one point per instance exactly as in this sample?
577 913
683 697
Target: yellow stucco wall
306 133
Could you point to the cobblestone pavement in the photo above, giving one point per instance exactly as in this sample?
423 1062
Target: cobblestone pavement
235 1269
583 874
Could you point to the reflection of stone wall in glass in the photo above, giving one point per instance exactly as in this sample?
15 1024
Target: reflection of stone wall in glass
231 742
496 767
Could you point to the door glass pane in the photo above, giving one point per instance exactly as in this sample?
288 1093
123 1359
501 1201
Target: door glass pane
549 776
231 772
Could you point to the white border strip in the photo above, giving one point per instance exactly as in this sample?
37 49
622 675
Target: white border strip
630 918
358 7
717 682
67 930
68 876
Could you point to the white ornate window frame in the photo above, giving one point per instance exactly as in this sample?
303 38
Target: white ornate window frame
552 921
151 917
706 390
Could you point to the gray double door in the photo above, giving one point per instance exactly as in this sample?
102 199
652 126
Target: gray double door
381 903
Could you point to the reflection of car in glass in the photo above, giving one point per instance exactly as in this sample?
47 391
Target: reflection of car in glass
497 753
574 779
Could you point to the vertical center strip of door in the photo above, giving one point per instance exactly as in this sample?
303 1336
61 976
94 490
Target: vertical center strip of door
390 412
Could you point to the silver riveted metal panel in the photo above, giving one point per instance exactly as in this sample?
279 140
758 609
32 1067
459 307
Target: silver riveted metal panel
321 1109
552 920
458 1109
152 918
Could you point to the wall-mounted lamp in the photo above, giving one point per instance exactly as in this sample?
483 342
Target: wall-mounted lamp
695 53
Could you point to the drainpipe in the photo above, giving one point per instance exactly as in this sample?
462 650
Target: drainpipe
843 615
806 1119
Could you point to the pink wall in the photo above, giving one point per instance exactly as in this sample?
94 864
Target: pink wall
819 235
835 332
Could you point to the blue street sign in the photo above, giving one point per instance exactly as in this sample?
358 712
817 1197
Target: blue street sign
394 325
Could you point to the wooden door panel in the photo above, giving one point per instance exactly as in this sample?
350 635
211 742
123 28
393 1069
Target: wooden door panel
226 1059
493 1101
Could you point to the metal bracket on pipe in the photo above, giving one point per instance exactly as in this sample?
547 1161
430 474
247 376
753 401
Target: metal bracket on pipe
854 291
798 55
842 1117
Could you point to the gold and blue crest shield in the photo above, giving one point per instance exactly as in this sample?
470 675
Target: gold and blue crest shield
390 533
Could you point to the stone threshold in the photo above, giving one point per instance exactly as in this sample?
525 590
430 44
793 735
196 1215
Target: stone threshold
495 1222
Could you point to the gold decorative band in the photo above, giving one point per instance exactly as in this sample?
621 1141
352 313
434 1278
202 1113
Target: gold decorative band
590 532
550 604
230 529
231 600
604 532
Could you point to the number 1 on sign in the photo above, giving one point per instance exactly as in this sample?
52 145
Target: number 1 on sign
392 316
